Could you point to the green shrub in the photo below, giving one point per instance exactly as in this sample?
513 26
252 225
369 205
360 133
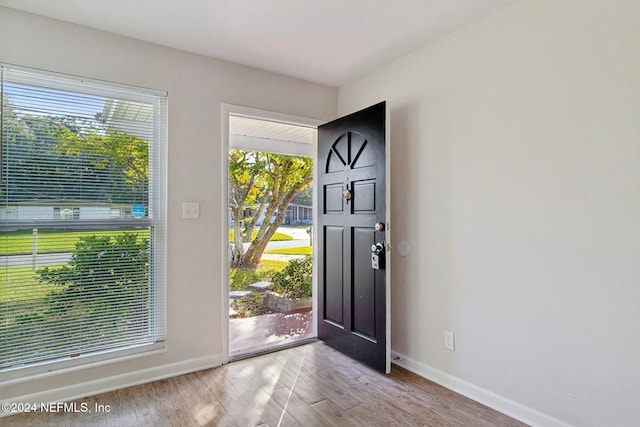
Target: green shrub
77 307
105 285
294 281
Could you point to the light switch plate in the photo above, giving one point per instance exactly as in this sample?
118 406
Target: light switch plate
190 210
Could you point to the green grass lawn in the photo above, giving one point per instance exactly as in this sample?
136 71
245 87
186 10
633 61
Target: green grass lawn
21 284
49 241
24 284
241 278
52 241
277 237
299 250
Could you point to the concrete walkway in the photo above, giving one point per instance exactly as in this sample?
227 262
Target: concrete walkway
255 334
281 257
300 238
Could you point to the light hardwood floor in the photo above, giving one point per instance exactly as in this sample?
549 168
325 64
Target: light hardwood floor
310 385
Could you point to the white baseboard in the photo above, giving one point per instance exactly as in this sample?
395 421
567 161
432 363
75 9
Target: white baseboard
479 394
104 385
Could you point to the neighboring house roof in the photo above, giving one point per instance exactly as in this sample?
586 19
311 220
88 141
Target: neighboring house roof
129 117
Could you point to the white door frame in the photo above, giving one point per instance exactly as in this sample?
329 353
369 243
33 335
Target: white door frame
264 145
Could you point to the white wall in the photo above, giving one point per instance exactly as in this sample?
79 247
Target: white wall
516 174
197 86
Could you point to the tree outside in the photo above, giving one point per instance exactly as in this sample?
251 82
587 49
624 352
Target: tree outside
63 157
265 184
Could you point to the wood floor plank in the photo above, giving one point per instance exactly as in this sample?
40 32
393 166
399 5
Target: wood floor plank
311 385
298 409
332 413
256 392
307 392
304 389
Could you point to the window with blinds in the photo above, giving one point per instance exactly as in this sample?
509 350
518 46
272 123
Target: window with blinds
82 221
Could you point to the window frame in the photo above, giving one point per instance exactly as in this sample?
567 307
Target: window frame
155 220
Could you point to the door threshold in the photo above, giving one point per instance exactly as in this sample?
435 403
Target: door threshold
272 349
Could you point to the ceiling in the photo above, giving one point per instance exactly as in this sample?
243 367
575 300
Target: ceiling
267 129
324 41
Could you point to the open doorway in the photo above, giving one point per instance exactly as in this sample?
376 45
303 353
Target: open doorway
270 219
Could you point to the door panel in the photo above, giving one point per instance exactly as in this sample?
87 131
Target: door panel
352 294
364 196
333 201
333 285
364 285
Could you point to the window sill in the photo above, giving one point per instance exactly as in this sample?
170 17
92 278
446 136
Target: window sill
62 366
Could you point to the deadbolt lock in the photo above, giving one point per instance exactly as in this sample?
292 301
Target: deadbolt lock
377 255
378 247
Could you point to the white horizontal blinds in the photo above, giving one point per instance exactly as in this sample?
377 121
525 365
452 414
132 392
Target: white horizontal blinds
81 219
65 303
62 146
